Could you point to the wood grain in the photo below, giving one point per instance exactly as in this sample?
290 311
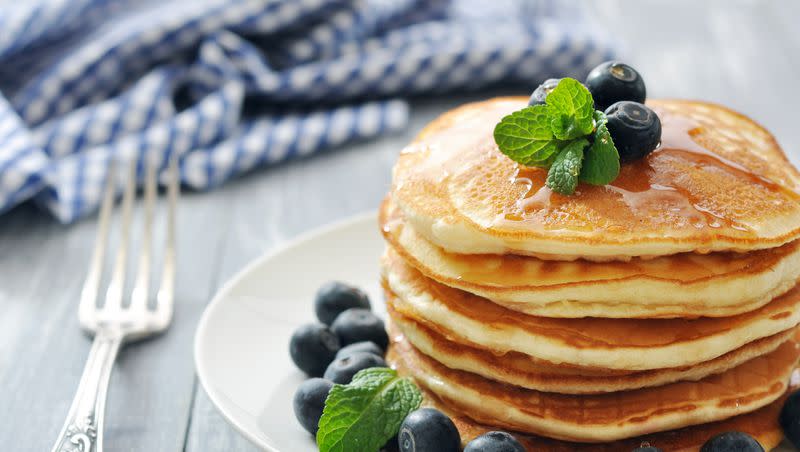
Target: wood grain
742 53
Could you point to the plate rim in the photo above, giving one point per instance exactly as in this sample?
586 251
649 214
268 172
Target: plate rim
233 281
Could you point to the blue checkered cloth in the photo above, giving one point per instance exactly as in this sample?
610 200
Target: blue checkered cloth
233 85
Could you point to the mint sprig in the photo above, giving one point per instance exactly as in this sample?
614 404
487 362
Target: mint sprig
565 135
601 164
563 175
570 108
527 138
364 414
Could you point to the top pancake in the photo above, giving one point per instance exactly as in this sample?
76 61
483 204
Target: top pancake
718 182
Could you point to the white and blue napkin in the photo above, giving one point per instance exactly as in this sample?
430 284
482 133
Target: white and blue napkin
232 85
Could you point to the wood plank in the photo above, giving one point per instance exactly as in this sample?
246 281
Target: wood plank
669 43
784 15
152 386
753 52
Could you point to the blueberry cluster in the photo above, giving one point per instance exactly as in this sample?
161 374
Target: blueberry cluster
349 338
619 91
348 334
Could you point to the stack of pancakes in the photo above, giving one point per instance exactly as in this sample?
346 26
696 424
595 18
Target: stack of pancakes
659 308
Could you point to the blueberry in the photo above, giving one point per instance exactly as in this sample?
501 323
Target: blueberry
635 129
732 442
342 370
541 92
363 346
309 401
494 442
313 347
428 429
358 325
790 419
612 82
335 297
646 447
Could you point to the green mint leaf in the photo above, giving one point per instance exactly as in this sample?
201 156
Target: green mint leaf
363 415
525 136
601 164
570 106
600 119
563 174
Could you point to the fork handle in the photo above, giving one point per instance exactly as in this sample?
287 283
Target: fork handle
83 429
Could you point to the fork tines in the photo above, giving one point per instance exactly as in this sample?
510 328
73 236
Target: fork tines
111 312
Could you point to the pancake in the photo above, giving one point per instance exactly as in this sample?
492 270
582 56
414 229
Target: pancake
681 285
624 344
519 370
718 182
603 417
761 424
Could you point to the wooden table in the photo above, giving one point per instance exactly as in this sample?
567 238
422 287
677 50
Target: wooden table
743 53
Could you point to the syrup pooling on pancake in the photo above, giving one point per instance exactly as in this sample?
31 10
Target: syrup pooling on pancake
718 182
648 185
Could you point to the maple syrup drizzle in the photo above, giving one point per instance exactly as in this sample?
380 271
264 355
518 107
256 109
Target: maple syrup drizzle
638 186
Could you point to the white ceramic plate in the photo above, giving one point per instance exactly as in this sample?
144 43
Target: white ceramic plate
241 348
242 344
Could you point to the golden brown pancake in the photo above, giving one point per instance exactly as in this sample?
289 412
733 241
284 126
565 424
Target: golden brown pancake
681 285
623 344
718 182
761 424
603 417
520 370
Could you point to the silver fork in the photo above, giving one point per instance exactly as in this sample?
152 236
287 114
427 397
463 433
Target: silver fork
112 324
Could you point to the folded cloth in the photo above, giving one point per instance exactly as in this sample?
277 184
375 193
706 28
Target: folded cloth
227 86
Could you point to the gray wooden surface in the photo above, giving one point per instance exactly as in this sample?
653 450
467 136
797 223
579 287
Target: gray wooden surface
744 54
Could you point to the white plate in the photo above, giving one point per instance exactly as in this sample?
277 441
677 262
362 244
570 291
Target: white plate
241 349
